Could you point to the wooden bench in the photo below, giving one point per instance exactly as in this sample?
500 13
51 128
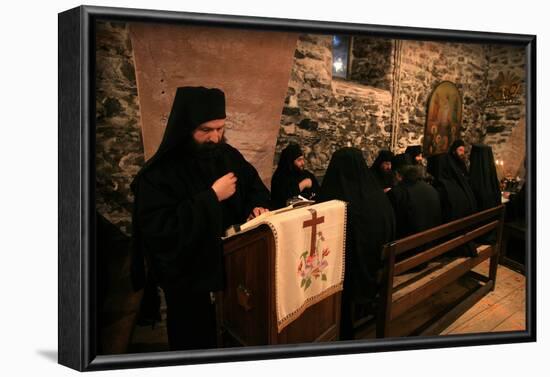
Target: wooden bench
399 296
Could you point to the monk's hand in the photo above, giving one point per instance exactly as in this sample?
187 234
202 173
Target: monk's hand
305 183
225 186
257 212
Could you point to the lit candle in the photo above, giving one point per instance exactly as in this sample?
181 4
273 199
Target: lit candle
504 170
498 166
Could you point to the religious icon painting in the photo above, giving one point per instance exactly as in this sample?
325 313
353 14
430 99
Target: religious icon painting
444 118
172 128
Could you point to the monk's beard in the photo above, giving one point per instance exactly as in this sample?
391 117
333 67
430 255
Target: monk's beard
386 173
459 157
298 170
208 148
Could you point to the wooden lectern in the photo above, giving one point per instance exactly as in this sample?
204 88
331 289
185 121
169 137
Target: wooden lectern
246 308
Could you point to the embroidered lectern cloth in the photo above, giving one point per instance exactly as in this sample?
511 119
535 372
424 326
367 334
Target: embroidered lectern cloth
309 257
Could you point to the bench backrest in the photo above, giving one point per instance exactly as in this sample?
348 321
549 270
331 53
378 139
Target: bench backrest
437 241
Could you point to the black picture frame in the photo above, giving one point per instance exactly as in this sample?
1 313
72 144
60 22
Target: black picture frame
76 117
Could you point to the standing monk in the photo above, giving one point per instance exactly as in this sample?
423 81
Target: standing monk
452 181
483 177
370 224
458 157
186 195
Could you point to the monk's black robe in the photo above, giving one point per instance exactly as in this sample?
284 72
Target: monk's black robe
287 177
417 207
516 208
484 182
385 180
483 177
180 224
285 185
178 221
413 151
370 224
455 192
181 220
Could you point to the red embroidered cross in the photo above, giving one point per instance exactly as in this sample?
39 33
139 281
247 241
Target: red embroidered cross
313 224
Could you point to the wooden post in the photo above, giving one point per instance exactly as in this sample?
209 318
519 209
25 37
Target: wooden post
385 301
493 265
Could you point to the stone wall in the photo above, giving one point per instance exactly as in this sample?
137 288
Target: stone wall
372 62
426 64
504 126
324 115
119 149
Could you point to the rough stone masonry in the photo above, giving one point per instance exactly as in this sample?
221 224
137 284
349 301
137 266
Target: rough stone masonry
384 99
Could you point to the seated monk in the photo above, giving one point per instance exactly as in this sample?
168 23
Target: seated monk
416 204
291 178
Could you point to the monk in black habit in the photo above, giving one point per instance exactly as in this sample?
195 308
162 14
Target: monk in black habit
291 178
186 195
381 169
458 157
516 208
415 153
452 182
483 177
416 204
484 182
370 224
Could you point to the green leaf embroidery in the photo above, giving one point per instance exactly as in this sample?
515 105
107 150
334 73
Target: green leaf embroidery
308 283
324 277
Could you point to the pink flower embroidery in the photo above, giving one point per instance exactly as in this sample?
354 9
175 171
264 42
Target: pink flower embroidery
311 267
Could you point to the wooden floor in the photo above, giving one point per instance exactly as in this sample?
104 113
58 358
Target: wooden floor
500 310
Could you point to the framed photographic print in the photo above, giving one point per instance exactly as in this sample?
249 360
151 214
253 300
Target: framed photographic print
241 188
